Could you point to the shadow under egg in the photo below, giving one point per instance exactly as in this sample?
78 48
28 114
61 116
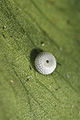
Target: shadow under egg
34 53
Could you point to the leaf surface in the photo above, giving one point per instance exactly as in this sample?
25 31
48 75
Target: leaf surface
26 94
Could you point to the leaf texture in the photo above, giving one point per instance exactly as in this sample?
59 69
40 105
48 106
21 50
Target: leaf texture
26 94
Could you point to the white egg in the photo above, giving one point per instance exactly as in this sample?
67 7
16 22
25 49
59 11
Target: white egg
45 63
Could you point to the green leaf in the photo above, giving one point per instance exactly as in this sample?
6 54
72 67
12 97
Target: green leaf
26 94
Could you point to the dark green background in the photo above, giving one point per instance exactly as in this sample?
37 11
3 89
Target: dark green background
26 94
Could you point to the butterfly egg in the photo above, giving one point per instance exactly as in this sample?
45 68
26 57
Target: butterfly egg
45 63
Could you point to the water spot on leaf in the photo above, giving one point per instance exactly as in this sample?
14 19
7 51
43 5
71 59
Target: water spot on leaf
42 44
60 48
4 26
11 81
67 75
27 79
